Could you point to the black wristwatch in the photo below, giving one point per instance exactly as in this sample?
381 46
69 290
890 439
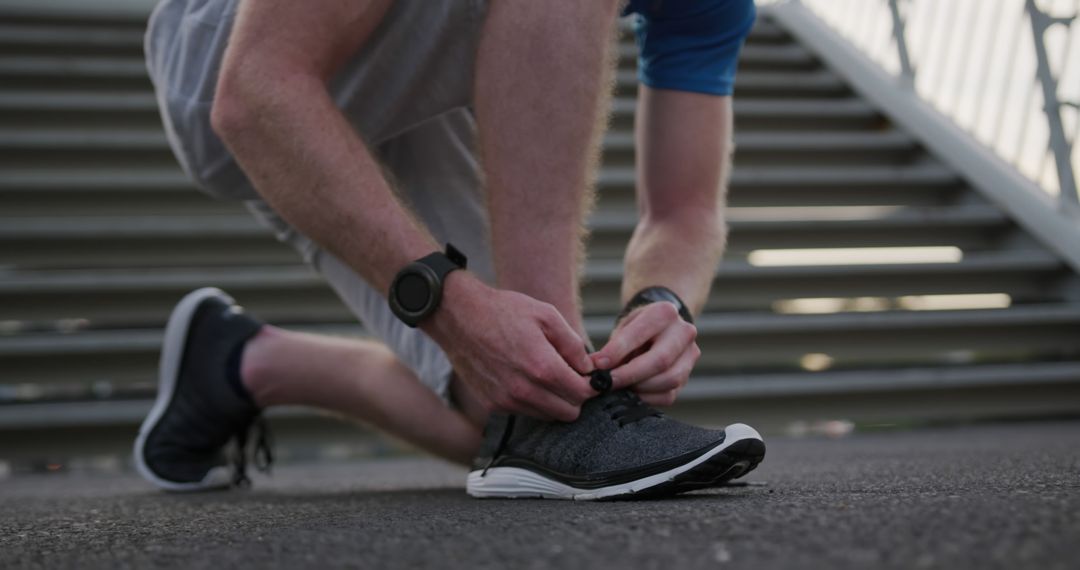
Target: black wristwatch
653 295
417 289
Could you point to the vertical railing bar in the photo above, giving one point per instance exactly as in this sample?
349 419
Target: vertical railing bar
984 100
1009 70
883 42
965 71
1069 36
1048 155
945 54
907 72
1040 21
1029 100
866 16
925 61
935 38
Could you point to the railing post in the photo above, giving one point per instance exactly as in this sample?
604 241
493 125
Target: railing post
907 71
1058 144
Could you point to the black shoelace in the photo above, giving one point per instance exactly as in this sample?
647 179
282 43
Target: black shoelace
627 408
262 454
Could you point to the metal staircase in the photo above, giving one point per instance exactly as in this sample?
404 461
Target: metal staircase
100 233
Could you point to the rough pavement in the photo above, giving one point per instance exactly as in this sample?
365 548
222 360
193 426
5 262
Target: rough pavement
1004 496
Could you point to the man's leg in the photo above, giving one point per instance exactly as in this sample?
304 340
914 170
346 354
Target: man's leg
361 379
543 79
437 175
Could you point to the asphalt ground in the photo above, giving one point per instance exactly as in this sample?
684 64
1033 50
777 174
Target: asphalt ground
1001 496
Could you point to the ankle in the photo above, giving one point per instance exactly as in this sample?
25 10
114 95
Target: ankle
256 364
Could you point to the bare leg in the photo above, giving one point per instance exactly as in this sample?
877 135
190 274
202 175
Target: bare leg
542 86
358 378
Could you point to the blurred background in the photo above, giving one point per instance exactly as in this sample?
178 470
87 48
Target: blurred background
904 246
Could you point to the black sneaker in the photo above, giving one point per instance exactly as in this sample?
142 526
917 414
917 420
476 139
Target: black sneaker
618 448
182 445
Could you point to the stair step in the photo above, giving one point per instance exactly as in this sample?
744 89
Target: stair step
919 184
789 83
1024 275
779 114
144 296
764 30
752 57
140 147
66 101
701 389
729 342
107 109
127 140
922 184
789 148
974 227
614 141
45 108
82 39
877 380
738 341
107 15
75 73
125 240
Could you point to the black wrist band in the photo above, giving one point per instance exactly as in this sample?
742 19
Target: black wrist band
652 295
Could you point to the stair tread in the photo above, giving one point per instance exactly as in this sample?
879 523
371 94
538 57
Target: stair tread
700 388
741 324
619 139
79 66
934 173
845 107
96 101
278 276
891 139
241 224
878 380
73 35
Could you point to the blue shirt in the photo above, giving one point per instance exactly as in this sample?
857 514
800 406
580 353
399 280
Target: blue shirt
690 45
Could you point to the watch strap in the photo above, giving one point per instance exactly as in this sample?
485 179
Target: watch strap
656 294
442 263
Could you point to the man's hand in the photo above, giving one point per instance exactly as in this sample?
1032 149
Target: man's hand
518 355
652 351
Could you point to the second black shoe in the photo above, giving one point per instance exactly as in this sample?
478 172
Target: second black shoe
184 443
618 448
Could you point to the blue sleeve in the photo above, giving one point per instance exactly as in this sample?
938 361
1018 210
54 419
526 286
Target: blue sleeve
691 45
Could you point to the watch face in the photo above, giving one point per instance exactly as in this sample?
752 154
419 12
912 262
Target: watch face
413 292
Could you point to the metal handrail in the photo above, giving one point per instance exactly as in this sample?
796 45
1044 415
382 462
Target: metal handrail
950 53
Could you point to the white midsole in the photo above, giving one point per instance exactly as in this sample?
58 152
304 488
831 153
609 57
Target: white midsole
517 482
172 350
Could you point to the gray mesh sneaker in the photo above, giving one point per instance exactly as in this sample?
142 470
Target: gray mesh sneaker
183 443
618 448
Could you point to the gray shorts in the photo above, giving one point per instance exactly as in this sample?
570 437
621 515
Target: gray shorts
407 94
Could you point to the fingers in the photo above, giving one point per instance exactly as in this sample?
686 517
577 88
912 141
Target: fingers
559 379
637 330
661 357
675 378
566 342
525 398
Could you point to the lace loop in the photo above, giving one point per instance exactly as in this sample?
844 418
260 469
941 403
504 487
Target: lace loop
627 408
262 453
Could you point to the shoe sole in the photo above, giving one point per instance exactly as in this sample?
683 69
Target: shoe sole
172 352
741 452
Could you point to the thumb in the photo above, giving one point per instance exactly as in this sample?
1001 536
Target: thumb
567 343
